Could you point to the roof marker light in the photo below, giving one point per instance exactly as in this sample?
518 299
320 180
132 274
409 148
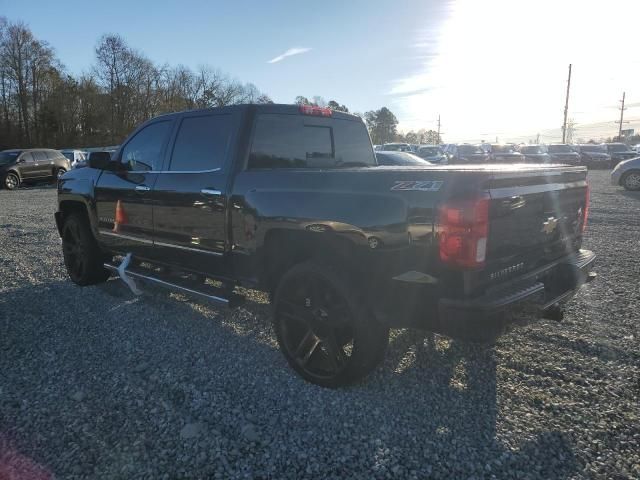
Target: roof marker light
315 110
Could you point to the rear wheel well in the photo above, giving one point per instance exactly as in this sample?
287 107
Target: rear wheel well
285 248
628 172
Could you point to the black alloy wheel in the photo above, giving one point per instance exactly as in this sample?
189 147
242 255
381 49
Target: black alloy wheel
325 336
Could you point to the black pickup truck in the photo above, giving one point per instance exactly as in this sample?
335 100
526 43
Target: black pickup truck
290 200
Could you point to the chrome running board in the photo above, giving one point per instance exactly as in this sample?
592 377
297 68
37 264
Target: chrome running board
180 285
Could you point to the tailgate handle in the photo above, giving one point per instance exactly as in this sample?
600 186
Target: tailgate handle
514 202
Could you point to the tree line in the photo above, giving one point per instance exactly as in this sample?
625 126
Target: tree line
42 104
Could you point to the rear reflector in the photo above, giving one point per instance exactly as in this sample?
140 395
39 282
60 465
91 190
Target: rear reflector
585 215
313 110
463 227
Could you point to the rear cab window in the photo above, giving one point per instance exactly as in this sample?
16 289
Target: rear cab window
299 141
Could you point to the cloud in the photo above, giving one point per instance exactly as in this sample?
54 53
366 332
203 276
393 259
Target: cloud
289 53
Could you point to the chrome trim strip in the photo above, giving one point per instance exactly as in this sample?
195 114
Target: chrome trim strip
180 247
126 237
224 301
174 171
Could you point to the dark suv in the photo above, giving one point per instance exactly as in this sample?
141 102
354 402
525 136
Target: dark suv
619 152
31 166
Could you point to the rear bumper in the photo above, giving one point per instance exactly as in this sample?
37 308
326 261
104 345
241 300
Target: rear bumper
536 295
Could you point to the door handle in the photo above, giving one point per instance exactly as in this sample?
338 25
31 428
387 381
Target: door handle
142 188
210 191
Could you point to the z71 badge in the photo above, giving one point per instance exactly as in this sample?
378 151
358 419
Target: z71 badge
423 186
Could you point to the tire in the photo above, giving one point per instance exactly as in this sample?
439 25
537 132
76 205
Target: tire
60 172
631 181
82 256
11 181
323 328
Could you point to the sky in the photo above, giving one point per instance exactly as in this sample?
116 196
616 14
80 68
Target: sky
491 68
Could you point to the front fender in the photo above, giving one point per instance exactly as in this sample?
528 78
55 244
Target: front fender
78 188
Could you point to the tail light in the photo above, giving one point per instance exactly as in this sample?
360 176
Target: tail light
314 110
585 215
463 230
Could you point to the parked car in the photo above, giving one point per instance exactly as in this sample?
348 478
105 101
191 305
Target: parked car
466 153
594 156
636 148
563 153
395 147
627 174
289 199
74 156
32 165
535 153
619 152
432 153
399 159
504 153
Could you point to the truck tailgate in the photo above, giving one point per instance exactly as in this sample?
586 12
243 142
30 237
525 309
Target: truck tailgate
533 218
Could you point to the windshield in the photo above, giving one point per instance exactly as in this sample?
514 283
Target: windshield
593 148
617 147
8 157
430 151
470 149
399 158
560 149
533 149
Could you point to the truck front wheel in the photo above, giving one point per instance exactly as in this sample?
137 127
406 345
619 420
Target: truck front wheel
82 256
324 331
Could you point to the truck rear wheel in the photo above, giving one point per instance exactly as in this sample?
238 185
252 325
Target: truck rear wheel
323 329
82 256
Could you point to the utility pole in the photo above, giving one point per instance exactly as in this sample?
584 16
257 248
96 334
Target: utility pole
622 109
439 142
537 139
566 108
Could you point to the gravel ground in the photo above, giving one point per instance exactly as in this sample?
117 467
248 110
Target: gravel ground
95 383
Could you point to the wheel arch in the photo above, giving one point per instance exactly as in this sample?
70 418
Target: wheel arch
68 207
14 171
284 248
627 173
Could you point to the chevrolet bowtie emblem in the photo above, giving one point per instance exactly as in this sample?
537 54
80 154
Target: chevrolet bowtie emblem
550 225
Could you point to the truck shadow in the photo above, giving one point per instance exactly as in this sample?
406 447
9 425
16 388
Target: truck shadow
128 356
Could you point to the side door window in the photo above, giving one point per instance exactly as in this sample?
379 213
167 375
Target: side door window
143 153
201 144
40 156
